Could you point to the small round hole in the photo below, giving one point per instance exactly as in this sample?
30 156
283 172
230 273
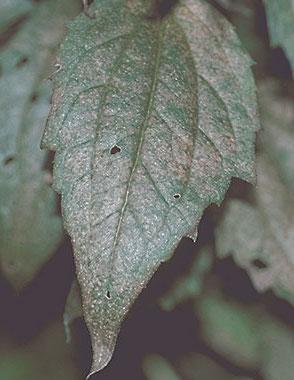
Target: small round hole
108 295
8 160
259 264
115 149
177 196
22 62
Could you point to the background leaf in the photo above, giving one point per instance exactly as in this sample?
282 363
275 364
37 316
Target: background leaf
30 228
230 329
261 238
246 335
44 357
12 10
157 368
280 15
189 285
73 308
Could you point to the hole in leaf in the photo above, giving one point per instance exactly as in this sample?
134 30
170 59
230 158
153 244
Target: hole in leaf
8 160
22 62
177 196
259 264
115 149
108 295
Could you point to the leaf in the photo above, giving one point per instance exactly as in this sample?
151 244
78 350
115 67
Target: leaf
150 120
190 285
261 238
278 350
262 255
44 356
157 368
30 230
12 10
277 111
230 329
73 308
244 335
195 366
280 15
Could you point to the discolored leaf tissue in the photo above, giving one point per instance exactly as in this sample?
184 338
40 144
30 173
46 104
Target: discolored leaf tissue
151 117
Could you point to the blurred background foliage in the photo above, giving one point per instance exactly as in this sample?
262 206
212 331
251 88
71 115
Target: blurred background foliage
222 308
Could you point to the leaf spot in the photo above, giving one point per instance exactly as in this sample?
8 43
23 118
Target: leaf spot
177 196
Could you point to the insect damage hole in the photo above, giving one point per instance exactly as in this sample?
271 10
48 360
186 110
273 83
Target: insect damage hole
177 196
108 296
115 149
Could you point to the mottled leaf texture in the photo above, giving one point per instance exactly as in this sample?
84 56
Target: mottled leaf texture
280 16
29 229
150 120
261 237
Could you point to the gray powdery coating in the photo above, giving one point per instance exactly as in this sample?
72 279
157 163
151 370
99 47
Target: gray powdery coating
174 99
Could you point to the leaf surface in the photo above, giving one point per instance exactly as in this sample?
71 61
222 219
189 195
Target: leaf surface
12 10
150 120
29 228
280 16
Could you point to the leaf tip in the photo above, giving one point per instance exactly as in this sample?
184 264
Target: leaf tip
102 355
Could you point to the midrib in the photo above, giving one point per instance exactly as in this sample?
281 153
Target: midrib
142 131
